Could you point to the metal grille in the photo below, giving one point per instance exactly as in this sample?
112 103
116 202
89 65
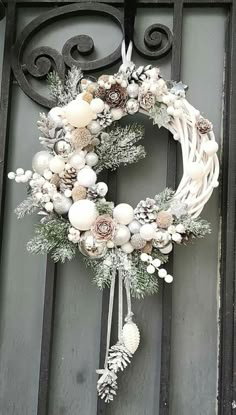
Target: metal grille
227 362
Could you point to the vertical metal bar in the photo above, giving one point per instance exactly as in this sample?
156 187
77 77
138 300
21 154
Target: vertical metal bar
5 101
47 338
227 360
171 182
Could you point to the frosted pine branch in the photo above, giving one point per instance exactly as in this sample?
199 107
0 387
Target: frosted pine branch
27 207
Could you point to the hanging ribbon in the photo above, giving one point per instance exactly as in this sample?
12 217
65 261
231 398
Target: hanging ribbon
130 7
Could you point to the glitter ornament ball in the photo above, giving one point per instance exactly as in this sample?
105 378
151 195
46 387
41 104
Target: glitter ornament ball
122 235
94 127
83 214
134 226
123 213
147 232
90 247
77 160
79 113
86 177
61 204
41 161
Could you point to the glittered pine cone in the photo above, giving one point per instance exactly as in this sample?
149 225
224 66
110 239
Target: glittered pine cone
116 96
104 228
164 219
146 99
80 138
204 126
100 92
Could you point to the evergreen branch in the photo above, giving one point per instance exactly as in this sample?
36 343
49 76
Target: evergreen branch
197 228
104 207
27 207
64 92
164 198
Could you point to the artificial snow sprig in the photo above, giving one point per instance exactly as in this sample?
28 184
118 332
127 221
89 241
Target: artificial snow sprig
64 92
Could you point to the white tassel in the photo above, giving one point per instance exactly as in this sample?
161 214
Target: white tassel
131 336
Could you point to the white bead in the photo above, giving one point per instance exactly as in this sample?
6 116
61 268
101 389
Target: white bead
78 113
94 127
102 189
168 278
77 160
56 164
117 113
180 228
122 235
40 161
19 171
47 174
28 174
24 179
162 273
83 214
147 232
150 269
133 90
195 170
156 262
70 237
18 179
110 244
86 177
171 229
144 257
91 159
134 226
127 248
210 147
176 237
167 249
49 206
131 336
11 175
97 105
123 213
67 193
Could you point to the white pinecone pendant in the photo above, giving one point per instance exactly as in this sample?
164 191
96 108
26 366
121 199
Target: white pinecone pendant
131 336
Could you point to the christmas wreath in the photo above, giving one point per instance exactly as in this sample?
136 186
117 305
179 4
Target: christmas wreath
82 137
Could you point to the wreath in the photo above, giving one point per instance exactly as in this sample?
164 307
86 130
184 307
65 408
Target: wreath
82 137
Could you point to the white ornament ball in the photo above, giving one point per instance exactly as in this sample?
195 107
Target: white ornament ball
61 204
47 174
68 193
180 228
168 278
144 257
167 249
91 159
102 189
150 269
110 244
19 171
133 90
122 235
134 226
94 127
40 161
210 147
77 160
156 262
127 248
195 170
176 237
11 175
162 273
86 177
54 116
123 213
147 232
79 113
97 105
117 113
131 336
57 164
83 214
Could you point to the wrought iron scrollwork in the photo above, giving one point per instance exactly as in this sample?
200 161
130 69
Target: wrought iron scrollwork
40 61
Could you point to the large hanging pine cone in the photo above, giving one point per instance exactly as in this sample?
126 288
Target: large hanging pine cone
107 385
146 211
139 74
116 96
68 179
119 357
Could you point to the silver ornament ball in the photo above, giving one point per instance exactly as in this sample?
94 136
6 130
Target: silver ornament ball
62 148
90 247
132 106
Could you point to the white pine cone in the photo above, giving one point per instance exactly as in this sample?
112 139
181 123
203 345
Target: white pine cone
140 74
146 211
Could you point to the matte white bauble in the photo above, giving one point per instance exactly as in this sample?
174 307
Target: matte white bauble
123 213
162 273
168 279
133 90
102 189
97 105
56 164
83 214
94 127
54 116
86 177
210 147
122 235
127 248
117 113
151 269
61 204
77 161
41 161
91 159
78 113
195 170
131 336
134 226
156 262
147 232
110 244
180 228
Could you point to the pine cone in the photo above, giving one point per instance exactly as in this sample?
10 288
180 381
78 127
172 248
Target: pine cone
55 179
139 74
118 357
146 211
100 92
146 99
116 96
92 193
68 179
51 133
80 138
104 118
107 385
